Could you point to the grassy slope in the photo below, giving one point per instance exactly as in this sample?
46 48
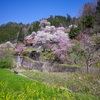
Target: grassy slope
16 87
78 82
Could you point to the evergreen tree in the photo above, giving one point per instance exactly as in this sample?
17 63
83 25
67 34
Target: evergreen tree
29 30
8 32
21 36
88 21
36 26
69 20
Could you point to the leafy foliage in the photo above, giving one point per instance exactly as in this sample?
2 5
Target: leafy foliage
36 26
6 60
6 63
57 21
61 21
88 21
21 36
74 32
9 32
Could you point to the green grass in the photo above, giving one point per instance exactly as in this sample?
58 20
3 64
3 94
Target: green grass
16 87
70 65
78 82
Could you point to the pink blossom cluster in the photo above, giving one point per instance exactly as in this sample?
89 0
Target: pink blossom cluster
50 33
29 37
63 45
44 23
42 37
19 49
58 39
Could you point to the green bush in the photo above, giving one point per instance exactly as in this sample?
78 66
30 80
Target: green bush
74 32
6 60
6 63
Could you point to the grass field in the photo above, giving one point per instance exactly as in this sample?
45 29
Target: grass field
84 83
16 87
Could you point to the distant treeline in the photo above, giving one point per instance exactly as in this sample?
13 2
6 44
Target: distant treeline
89 18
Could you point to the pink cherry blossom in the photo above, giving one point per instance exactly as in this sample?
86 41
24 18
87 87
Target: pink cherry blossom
56 37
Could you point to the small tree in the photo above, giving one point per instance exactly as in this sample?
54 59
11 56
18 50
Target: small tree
89 52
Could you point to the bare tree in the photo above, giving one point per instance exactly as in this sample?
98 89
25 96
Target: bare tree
87 9
91 55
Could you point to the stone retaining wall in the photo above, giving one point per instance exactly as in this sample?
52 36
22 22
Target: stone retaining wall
29 64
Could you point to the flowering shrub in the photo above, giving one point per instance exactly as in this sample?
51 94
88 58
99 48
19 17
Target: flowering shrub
44 23
56 37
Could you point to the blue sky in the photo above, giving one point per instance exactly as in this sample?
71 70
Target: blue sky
28 11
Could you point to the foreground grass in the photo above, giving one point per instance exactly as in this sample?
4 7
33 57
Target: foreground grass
78 82
16 87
